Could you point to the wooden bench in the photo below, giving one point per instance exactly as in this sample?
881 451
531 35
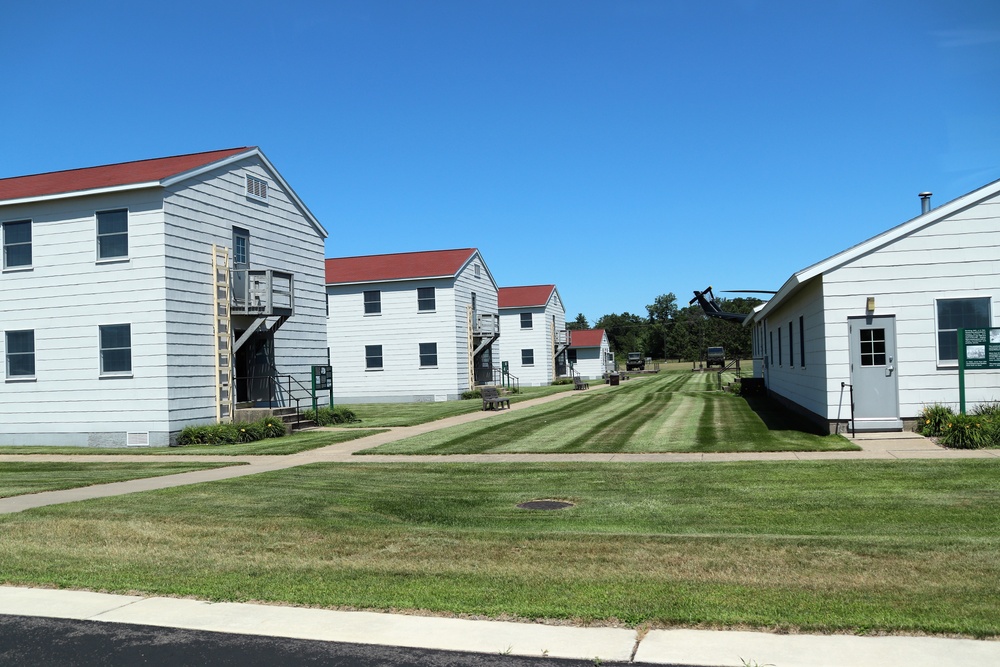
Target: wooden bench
578 383
492 398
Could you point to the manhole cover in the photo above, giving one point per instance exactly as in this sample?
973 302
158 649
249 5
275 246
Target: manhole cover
545 505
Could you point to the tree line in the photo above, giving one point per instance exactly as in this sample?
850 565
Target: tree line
670 332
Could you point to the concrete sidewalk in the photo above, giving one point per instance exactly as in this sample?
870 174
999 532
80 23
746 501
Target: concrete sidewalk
622 645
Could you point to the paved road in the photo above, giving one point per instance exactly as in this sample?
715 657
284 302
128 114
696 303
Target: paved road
27 640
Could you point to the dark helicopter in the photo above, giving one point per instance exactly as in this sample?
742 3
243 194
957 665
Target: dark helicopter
707 302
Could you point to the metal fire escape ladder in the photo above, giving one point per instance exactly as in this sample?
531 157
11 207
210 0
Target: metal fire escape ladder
223 335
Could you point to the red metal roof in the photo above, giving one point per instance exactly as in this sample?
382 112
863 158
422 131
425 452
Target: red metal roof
398 266
524 297
586 337
108 176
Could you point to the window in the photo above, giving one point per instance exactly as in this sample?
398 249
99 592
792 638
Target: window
955 314
872 347
476 269
791 348
802 341
527 357
116 348
779 345
20 354
572 356
16 244
525 320
373 302
373 356
428 354
112 234
241 248
256 188
770 357
425 299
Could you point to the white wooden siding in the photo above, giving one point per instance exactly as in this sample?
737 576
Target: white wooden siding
539 338
203 211
399 329
955 257
163 291
64 298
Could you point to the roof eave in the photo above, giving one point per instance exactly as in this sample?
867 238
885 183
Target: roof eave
81 193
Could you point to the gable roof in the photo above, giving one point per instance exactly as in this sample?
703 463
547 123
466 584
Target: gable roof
935 215
527 296
398 266
157 172
79 181
586 337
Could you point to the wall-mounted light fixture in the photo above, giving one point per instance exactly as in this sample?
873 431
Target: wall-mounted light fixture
870 305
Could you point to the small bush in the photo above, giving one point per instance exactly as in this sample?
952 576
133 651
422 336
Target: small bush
964 432
327 416
562 381
933 420
469 395
230 434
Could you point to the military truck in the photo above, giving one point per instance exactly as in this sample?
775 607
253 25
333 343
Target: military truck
635 362
716 356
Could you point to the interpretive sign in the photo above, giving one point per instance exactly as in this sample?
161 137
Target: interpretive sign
978 349
982 348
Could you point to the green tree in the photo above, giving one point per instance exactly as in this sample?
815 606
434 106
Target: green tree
662 316
578 324
626 332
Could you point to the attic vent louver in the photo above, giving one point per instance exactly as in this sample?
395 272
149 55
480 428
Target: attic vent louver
256 188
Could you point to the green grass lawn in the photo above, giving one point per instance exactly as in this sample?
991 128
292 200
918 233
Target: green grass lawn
410 414
670 412
19 478
290 444
855 546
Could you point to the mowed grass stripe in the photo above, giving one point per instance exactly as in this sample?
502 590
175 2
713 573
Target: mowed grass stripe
671 412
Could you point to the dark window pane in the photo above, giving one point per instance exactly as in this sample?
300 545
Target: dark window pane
948 345
428 354
112 222
118 335
425 298
373 302
527 357
116 361
373 356
20 342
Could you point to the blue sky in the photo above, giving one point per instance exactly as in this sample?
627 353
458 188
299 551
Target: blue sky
620 149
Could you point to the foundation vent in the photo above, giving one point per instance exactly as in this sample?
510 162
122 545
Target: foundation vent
137 439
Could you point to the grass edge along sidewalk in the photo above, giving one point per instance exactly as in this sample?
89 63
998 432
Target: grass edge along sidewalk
846 546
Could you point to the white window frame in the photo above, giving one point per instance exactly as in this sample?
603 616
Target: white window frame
421 354
102 350
97 230
529 358
30 243
422 300
11 377
530 320
377 303
953 363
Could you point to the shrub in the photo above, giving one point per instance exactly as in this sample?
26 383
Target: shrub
933 420
964 432
327 416
562 381
229 434
468 395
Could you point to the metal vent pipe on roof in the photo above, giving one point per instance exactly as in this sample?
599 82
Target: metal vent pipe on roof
925 202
